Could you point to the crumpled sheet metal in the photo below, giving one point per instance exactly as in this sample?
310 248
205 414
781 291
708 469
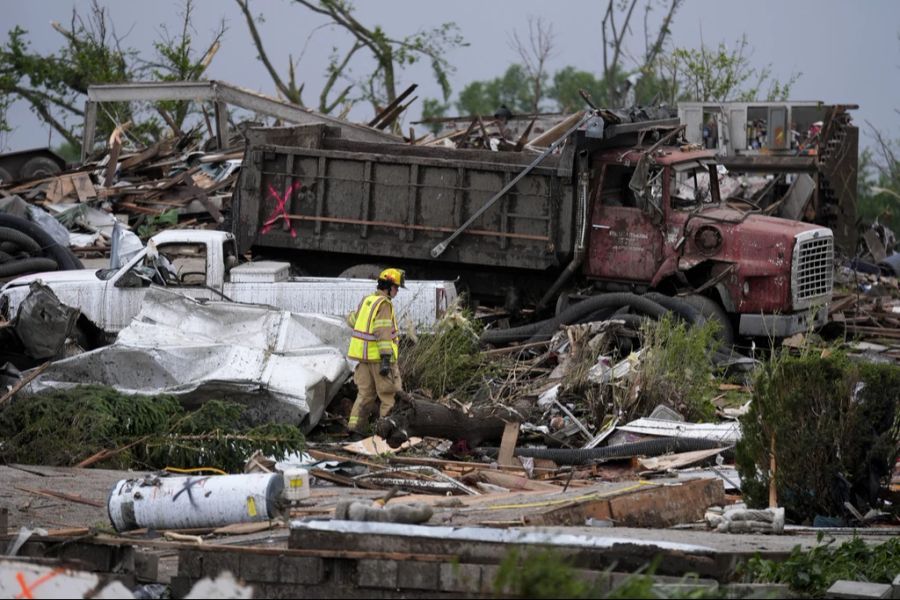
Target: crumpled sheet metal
285 366
728 432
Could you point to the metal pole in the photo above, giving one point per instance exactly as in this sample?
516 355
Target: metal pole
440 248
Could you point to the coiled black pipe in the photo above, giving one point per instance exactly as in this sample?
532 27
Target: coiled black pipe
21 239
35 264
655 447
61 254
572 315
679 307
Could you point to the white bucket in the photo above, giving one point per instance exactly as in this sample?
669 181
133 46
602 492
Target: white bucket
296 484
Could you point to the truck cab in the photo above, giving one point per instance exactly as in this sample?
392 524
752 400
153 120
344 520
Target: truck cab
658 222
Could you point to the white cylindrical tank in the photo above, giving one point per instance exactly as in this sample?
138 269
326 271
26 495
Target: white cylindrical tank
296 484
194 502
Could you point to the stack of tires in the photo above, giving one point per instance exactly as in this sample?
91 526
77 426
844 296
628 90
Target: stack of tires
26 248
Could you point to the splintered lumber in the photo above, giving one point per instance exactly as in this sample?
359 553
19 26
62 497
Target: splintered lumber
508 444
641 505
23 382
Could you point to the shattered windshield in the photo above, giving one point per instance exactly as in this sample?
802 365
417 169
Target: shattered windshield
690 186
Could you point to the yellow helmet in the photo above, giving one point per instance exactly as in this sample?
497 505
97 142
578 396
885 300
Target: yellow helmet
395 276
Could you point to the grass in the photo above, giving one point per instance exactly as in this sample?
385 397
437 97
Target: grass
674 369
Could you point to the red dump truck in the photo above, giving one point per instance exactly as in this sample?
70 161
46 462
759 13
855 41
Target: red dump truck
611 209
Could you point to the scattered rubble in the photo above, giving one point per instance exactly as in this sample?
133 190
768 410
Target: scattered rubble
630 411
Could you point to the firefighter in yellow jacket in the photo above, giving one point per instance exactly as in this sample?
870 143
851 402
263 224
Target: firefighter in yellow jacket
374 345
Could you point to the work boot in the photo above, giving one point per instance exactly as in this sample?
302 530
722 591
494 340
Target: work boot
355 436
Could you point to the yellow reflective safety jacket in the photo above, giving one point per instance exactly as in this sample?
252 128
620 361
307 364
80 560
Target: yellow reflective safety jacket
372 336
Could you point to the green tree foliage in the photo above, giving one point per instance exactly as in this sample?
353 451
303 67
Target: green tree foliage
176 60
432 108
566 84
720 75
54 84
485 97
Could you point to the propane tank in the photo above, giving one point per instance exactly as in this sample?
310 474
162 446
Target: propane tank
194 502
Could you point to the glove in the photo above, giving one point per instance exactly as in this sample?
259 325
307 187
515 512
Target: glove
385 365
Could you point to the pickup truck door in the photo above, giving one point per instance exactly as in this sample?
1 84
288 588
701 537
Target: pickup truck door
624 242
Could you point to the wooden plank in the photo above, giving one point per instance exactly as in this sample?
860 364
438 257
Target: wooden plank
59 188
62 496
508 444
23 382
668 505
516 482
676 461
142 156
109 178
84 188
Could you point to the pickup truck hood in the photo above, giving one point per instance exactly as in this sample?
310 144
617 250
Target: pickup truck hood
51 277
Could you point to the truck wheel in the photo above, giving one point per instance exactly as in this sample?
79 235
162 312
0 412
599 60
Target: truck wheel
38 167
712 311
5 176
364 271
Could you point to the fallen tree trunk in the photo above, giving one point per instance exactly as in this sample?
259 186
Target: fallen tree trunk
414 417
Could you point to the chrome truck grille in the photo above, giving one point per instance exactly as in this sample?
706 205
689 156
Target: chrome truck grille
812 270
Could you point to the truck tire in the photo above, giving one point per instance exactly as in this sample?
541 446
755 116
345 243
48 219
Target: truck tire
712 311
364 271
5 176
39 167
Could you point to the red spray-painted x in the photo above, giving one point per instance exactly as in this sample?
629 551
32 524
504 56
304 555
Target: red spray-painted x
281 208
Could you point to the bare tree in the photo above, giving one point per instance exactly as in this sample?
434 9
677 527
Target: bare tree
616 26
534 55
289 89
390 55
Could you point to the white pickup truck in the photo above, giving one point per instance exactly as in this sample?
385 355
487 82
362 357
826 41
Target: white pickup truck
198 264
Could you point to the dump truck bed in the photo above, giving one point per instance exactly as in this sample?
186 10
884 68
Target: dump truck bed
304 189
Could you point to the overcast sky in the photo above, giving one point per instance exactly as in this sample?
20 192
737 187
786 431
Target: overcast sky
846 52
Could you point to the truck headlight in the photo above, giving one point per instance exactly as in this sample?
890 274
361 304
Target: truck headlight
746 287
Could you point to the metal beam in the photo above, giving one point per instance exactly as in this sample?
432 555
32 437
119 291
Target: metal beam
221 94
152 91
765 163
295 114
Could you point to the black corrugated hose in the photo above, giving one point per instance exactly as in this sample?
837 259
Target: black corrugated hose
543 330
655 447
32 239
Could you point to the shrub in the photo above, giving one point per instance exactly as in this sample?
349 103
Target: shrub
834 428
64 427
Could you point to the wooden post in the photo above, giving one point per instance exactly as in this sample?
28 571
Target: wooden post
508 445
773 492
